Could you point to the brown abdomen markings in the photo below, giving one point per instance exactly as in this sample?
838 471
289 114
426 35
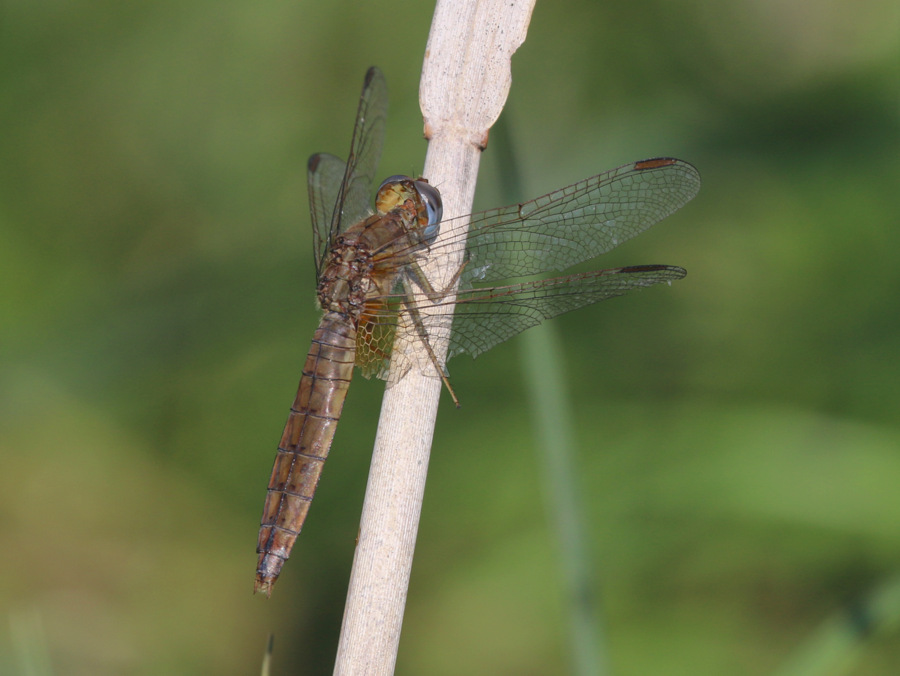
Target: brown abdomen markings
305 443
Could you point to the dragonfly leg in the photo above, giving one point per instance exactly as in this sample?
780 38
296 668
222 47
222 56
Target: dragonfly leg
422 332
415 273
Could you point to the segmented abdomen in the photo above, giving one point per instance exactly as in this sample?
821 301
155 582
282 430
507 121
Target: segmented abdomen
305 443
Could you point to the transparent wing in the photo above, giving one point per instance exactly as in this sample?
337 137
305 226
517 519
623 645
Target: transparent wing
351 198
375 336
576 223
325 175
354 197
483 318
355 193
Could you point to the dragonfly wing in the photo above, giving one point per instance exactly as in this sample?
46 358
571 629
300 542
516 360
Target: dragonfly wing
340 192
484 318
375 336
325 175
577 223
354 194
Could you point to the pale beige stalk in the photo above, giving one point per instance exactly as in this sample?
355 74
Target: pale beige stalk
465 81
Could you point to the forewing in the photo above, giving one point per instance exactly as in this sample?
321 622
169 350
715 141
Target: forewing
355 192
577 223
325 175
340 193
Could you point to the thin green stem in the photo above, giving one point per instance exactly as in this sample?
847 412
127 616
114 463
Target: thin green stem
544 374
838 645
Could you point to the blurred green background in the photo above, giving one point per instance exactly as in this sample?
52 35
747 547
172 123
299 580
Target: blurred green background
739 447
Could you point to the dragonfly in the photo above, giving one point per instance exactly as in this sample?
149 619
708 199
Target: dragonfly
371 286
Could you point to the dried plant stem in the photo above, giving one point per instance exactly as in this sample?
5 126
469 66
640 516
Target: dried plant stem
465 80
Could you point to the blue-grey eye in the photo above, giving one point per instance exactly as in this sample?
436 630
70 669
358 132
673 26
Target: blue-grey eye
393 179
434 207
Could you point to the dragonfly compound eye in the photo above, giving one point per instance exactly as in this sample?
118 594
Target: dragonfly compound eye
434 207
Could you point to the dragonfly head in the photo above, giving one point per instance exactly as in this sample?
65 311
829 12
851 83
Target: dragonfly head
395 190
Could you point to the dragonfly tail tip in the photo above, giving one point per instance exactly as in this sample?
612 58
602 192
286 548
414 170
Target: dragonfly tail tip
263 587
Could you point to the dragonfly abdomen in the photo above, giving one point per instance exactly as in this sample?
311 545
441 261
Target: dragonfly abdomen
305 443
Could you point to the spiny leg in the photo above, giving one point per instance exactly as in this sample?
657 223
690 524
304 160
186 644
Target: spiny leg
410 306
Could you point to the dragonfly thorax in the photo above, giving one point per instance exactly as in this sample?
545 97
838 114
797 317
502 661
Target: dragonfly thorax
346 281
